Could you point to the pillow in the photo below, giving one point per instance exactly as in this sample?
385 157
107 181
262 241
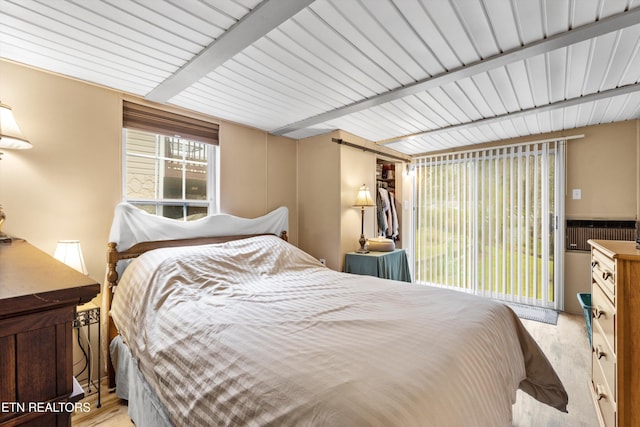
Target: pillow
381 244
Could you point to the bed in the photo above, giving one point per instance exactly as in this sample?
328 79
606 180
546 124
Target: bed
250 330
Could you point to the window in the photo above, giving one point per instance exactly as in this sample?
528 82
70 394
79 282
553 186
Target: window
171 174
489 222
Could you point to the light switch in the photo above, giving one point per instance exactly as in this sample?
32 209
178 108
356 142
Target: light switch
577 194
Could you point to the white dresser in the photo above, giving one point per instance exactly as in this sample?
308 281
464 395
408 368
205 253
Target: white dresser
615 298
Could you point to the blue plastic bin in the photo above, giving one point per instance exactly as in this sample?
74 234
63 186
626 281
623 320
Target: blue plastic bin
585 302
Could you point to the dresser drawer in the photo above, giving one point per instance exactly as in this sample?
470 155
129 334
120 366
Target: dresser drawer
602 261
604 356
602 395
603 315
604 272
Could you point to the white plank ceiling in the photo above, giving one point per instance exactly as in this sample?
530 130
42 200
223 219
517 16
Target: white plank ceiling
415 75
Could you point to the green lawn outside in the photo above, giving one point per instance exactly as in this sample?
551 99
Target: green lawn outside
440 265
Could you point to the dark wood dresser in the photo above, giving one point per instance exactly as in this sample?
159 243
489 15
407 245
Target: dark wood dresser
38 299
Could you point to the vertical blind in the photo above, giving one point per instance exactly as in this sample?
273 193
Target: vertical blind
486 221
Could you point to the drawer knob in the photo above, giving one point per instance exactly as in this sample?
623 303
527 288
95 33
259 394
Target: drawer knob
599 353
594 264
597 312
606 275
600 394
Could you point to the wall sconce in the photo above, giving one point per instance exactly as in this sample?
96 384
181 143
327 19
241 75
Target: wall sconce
70 253
10 135
363 200
411 169
3 237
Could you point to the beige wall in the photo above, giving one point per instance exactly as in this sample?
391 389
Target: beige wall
67 186
282 182
319 196
603 165
257 173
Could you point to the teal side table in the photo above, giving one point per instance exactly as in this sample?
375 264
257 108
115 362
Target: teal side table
388 265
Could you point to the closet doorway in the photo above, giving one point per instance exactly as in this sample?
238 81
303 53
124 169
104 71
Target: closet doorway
386 206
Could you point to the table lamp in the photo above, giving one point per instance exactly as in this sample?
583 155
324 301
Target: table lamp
363 200
70 253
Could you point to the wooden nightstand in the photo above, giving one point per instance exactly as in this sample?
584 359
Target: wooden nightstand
38 299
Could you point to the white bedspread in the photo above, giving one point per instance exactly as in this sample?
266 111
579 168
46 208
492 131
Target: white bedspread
256 332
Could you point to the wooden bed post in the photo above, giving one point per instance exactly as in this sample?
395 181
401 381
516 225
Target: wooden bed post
112 280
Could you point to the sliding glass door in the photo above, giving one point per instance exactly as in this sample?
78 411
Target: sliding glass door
490 222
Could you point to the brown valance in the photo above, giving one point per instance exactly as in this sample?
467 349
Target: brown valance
137 116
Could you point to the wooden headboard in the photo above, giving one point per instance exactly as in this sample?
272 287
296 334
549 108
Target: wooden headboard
113 256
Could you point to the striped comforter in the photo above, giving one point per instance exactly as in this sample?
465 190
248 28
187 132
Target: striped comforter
257 332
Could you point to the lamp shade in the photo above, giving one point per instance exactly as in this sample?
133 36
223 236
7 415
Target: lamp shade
364 198
10 134
70 252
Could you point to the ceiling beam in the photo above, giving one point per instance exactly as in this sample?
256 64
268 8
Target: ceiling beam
585 32
623 90
256 24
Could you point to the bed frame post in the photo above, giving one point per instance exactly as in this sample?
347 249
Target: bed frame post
112 280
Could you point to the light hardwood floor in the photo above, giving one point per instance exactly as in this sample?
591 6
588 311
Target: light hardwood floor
567 348
566 345
112 413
